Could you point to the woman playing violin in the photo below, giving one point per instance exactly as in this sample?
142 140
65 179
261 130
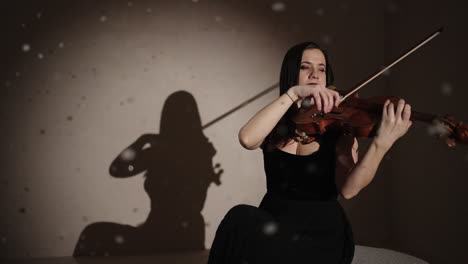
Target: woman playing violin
299 219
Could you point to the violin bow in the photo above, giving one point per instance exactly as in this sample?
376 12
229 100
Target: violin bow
411 50
262 93
359 86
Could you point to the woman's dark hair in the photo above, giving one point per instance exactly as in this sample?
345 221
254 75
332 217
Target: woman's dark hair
289 76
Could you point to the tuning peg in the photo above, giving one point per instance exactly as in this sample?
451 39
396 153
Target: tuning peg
450 142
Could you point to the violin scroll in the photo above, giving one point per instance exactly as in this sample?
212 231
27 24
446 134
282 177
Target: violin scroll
452 130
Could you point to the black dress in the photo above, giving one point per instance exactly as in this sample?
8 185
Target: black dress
299 219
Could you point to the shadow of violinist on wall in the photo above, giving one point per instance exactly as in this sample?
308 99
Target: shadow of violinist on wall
178 171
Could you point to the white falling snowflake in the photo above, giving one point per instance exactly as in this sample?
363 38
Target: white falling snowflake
18 74
327 39
57 76
320 12
40 56
103 18
343 159
195 1
218 18
278 6
130 4
26 47
295 237
130 100
184 224
386 73
437 129
282 129
61 45
39 15
128 154
149 10
119 239
270 228
311 168
446 89
282 164
392 7
113 169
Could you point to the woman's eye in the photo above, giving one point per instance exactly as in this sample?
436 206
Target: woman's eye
304 67
322 70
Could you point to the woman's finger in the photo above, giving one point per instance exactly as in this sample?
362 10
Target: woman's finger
325 101
337 98
390 111
312 101
384 110
330 101
399 109
318 100
407 112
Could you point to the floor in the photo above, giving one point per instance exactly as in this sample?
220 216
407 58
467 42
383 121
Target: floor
363 255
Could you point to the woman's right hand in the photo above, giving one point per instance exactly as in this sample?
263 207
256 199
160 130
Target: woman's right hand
318 94
394 123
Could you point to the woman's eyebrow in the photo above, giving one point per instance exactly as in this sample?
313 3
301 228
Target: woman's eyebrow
320 64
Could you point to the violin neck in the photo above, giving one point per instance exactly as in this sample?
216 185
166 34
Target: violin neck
428 118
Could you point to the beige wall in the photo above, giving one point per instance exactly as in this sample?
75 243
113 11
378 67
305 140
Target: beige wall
68 115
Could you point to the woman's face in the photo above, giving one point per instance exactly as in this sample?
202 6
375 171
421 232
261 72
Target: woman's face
312 70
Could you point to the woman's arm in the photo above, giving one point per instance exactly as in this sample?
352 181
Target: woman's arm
351 175
252 134
346 158
394 124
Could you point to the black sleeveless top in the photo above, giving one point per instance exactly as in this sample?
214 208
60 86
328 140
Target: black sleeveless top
301 201
298 177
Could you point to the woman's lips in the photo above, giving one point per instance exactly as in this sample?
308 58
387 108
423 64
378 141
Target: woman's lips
312 83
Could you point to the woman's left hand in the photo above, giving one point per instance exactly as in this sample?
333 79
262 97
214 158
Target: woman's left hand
394 123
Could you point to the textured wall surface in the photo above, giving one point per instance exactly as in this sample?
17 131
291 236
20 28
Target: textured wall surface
83 81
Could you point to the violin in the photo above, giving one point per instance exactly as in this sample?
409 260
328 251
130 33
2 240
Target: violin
360 117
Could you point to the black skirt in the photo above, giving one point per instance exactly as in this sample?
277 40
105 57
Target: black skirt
284 231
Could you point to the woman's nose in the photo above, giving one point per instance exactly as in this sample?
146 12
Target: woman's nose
313 75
